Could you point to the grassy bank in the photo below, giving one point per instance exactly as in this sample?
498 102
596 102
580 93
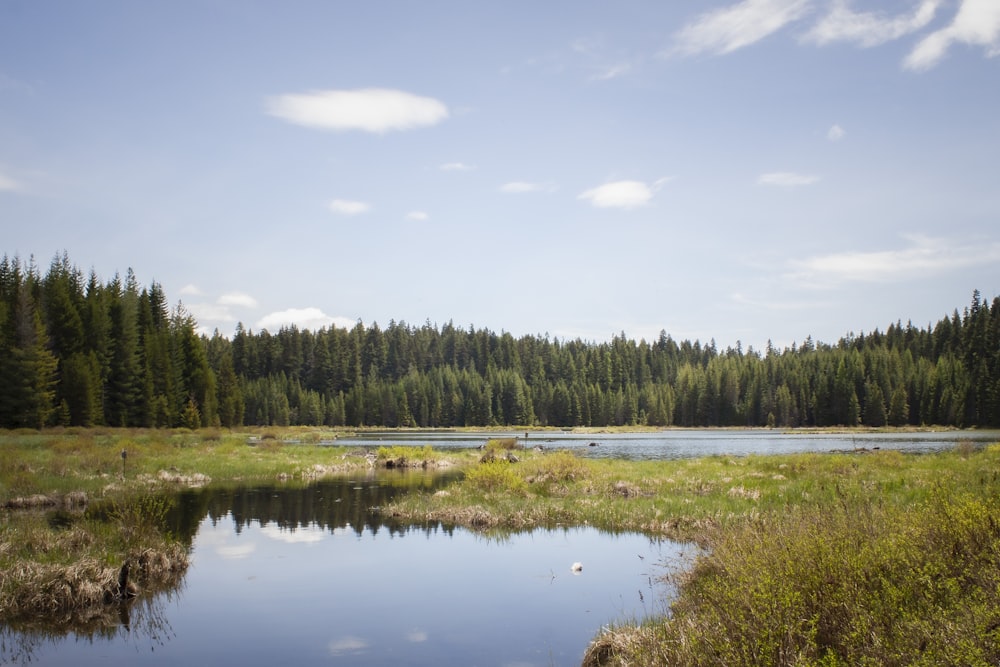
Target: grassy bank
73 511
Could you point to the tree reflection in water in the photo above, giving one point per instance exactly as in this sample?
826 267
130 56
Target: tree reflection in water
141 622
349 502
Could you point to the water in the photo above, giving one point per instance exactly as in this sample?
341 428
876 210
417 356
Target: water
310 575
314 574
684 443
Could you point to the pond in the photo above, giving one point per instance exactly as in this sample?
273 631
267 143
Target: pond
313 575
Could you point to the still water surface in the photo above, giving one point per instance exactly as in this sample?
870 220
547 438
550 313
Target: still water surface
686 443
313 575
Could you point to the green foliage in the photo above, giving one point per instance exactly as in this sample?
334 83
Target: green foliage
403 453
496 477
138 518
123 359
494 445
900 566
560 466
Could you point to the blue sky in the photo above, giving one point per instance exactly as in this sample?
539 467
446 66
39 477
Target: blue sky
743 171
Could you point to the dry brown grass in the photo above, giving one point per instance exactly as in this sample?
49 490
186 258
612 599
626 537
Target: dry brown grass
80 590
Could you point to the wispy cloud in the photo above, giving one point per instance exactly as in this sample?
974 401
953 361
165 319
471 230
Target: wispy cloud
619 194
518 187
417 215
786 179
9 184
348 644
836 133
868 29
376 110
211 313
348 207
191 290
921 257
609 72
977 23
730 28
456 166
303 318
238 299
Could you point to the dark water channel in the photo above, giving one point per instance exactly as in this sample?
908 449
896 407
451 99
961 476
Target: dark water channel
308 575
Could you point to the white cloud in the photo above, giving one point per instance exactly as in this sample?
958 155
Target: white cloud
210 312
836 133
8 184
518 187
303 318
343 322
786 179
236 552
977 23
456 166
348 644
375 110
868 28
237 299
308 535
417 215
731 28
348 207
619 194
191 290
923 256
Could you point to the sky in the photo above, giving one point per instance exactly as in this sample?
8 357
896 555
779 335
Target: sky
752 171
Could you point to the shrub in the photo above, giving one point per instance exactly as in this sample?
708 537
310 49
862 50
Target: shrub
497 444
849 584
559 466
496 476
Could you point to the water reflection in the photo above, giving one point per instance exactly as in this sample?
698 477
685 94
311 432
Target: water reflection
295 573
336 503
140 625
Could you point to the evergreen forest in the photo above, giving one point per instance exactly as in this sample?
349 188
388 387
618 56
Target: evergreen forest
79 351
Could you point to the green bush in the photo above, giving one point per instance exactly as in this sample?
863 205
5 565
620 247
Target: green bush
559 466
405 453
496 476
846 585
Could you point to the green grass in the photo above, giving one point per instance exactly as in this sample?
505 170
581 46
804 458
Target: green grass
860 558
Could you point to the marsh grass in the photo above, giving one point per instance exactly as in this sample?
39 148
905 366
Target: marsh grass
869 557
69 568
901 566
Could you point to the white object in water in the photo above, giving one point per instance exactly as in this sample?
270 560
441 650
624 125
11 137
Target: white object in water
576 568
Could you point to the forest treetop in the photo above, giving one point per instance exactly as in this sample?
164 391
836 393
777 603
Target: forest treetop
78 351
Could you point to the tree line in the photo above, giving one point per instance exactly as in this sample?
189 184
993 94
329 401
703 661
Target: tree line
76 351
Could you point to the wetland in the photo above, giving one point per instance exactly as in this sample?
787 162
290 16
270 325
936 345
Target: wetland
298 552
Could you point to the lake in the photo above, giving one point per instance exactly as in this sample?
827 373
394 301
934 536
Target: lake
313 574
684 443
